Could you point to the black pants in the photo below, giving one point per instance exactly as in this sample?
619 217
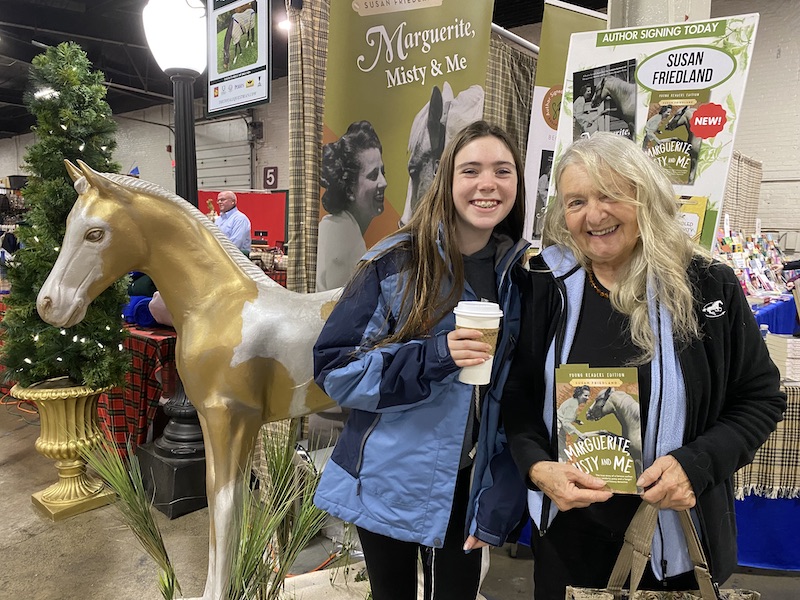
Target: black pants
581 546
450 573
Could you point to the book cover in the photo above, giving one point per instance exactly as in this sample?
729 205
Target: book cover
668 136
598 419
692 214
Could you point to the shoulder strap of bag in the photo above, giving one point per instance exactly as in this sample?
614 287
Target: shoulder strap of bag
708 589
635 553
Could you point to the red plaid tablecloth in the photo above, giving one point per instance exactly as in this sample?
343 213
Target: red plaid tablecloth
127 412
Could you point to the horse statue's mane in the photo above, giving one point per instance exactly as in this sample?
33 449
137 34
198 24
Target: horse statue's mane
156 191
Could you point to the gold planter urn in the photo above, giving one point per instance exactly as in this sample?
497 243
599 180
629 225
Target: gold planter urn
68 420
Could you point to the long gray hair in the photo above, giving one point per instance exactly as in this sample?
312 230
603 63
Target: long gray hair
616 165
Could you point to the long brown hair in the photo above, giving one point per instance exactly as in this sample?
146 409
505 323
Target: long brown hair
435 276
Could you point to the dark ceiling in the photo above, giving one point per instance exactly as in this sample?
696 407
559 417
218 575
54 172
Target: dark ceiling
111 33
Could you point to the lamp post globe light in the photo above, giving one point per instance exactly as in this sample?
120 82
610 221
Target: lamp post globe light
177 36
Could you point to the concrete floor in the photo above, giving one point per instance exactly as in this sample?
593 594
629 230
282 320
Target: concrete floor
92 556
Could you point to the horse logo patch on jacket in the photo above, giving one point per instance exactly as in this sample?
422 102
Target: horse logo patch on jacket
714 310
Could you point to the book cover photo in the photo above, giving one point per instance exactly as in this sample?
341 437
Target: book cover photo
598 419
605 99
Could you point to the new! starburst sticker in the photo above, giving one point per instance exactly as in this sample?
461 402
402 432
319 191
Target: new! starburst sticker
708 120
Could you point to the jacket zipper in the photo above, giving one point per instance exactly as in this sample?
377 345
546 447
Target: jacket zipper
364 439
553 439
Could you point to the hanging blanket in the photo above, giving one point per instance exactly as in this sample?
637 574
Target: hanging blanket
775 470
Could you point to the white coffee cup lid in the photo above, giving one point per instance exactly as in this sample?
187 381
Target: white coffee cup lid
470 308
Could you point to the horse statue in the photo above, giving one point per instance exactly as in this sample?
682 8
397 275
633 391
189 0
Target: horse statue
627 411
244 344
683 118
623 100
439 120
241 24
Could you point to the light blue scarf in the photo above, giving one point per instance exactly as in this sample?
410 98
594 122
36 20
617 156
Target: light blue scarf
667 405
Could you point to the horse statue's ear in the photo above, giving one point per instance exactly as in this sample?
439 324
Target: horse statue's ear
100 181
74 172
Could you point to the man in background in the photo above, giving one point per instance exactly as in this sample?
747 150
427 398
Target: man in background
234 224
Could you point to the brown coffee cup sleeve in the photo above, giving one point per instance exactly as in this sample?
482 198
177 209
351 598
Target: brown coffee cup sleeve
489 336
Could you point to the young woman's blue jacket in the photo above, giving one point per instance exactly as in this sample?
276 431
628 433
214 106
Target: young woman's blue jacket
394 467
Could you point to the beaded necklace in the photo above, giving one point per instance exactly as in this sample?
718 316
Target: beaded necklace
596 285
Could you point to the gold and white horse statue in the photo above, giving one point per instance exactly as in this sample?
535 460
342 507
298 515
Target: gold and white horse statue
244 346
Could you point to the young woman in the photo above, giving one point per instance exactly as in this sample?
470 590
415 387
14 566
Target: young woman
401 470
353 175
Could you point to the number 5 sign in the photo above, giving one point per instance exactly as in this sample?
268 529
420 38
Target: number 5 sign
270 178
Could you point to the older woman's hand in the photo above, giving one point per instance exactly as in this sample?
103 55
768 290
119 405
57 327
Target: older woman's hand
466 348
666 485
567 486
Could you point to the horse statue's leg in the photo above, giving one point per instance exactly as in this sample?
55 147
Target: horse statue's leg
229 434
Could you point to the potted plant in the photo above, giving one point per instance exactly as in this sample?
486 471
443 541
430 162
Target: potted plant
73 121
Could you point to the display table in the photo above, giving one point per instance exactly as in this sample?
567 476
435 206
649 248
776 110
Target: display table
780 317
126 413
768 492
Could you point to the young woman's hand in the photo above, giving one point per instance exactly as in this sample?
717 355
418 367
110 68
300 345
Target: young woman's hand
466 348
473 543
567 486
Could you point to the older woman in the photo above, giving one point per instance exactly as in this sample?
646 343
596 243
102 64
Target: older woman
353 175
619 284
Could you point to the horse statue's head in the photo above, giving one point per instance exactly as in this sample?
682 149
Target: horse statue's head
90 258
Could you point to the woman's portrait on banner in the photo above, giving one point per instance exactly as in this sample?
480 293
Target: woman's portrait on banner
354 179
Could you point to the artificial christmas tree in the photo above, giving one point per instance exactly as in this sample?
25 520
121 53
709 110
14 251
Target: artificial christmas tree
73 121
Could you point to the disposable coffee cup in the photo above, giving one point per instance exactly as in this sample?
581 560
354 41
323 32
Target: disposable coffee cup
485 317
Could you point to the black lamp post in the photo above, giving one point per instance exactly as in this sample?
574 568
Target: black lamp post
185 155
176 33
174 463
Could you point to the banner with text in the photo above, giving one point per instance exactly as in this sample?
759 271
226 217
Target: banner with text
674 89
559 22
238 54
402 78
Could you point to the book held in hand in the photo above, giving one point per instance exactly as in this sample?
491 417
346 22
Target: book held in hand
598 421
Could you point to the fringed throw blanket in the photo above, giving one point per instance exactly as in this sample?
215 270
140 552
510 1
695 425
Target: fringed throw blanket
775 470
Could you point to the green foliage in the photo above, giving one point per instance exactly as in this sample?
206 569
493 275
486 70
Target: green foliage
125 478
275 525
72 123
